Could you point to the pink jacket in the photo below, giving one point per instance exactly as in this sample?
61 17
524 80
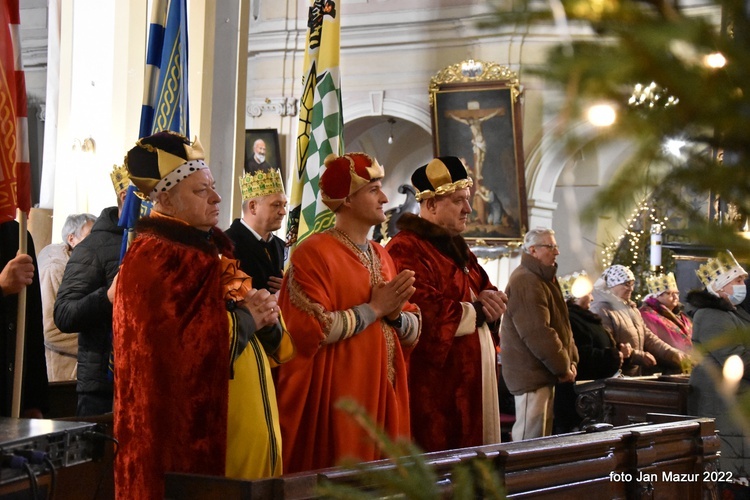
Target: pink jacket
676 329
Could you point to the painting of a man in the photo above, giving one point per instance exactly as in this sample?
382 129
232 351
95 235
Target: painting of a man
262 150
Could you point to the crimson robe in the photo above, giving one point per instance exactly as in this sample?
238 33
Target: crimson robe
172 357
445 371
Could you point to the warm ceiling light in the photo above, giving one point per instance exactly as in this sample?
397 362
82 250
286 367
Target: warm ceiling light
601 115
715 60
673 146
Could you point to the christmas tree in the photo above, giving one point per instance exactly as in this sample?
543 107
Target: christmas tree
679 83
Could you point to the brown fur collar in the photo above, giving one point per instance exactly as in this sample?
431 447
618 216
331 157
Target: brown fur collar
213 241
454 247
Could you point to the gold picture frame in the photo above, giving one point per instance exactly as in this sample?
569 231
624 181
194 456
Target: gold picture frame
476 116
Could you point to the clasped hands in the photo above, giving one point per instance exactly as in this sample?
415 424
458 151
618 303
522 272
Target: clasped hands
388 299
263 307
494 303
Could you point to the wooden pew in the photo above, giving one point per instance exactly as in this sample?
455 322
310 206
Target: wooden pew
622 401
636 461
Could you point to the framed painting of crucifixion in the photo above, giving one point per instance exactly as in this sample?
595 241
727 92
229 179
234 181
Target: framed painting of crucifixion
476 116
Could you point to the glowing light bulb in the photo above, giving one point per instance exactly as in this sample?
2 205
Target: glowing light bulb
601 115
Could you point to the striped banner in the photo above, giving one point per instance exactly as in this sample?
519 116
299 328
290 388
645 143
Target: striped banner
165 94
321 122
15 171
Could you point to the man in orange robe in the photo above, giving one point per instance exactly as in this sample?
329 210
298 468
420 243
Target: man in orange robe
346 308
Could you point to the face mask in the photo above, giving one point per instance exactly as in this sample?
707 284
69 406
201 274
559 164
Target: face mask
260 158
738 294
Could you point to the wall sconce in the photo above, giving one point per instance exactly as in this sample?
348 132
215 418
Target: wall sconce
390 135
88 145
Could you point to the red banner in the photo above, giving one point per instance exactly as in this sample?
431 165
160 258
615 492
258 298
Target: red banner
15 171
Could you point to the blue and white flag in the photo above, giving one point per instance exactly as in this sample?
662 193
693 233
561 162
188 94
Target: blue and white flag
165 97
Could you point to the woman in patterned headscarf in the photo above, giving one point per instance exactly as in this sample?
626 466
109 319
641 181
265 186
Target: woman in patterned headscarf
620 315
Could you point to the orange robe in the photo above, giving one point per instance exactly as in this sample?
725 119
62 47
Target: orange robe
327 274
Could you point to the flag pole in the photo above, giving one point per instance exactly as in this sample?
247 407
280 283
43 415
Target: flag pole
20 325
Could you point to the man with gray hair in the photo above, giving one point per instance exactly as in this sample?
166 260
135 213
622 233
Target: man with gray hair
258 159
61 348
535 337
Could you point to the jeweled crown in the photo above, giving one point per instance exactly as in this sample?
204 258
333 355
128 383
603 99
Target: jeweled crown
120 178
660 283
261 183
720 271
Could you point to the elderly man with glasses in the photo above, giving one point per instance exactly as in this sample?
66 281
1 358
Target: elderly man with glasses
535 338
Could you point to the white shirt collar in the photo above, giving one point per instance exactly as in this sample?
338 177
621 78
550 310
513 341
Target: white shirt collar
255 233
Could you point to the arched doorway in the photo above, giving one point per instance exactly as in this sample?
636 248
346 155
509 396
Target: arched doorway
410 147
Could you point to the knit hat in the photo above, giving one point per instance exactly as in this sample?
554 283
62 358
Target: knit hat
443 175
613 276
159 162
261 183
717 273
661 283
345 175
575 286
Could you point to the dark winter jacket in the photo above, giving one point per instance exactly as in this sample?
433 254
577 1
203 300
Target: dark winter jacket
34 392
715 321
82 304
597 352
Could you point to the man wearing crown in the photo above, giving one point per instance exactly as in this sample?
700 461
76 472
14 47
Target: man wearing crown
346 307
84 302
194 392
452 371
717 322
260 252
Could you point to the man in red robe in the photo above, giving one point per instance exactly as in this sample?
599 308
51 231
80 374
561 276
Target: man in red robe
192 384
346 308
452 371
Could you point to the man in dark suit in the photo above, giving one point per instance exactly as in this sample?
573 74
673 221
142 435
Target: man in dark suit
258 160
260 252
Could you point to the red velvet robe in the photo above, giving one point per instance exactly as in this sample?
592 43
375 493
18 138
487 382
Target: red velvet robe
171 358
326 275
445 380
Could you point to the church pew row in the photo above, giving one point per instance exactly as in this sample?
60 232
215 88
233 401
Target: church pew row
671 457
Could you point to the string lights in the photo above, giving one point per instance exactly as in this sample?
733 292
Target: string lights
633 245
650 95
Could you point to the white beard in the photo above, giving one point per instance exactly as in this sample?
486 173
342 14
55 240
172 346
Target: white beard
260 158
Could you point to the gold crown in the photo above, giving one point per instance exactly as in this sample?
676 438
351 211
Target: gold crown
720 271
120 178
660 283
575 285
261 183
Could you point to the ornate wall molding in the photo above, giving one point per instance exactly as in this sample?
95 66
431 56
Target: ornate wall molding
282 106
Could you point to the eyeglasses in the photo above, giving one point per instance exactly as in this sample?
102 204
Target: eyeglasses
551 247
